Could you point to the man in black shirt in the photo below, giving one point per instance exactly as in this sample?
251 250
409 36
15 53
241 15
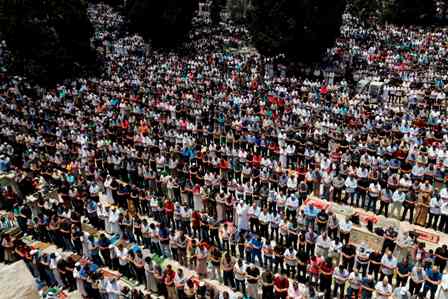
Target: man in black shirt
375 263
367 286
302 260
348 256
390 238
409 205
253 275
278 257
441 254
322 220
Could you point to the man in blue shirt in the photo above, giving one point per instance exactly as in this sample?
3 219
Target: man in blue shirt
368 287
433 278
256 249
103 244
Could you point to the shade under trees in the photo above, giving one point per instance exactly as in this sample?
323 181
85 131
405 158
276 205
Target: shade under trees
216 7
394 11
166 22
300 29
409 11
239 9
49 39
365 9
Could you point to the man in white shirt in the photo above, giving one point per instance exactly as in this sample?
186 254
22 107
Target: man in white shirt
397 203
345 227
388 265
350 187
122 254
292 204
290 260
254 213
443 224
323 243
434 212
383 289
240 276
179 282
354 280
113 290
373 195
264 219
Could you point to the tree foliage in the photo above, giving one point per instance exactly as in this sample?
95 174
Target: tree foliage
300 29
408 11
166 22
238 9
216 8
394 11
49 39
364 9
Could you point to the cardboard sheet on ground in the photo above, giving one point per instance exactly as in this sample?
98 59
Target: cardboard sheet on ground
359 236
16 282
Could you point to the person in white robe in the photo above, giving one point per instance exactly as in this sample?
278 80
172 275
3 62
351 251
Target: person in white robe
114 217
113 289
243 217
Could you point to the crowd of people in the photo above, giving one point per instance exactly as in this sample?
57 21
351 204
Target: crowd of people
207 158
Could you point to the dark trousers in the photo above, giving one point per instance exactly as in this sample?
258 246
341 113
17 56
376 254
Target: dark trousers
348 263
443 224
371 205
106 256
414 288
310 249
124 270
254 225
341 290
432 291
291 269
240 286
401 281
433 220
375 270
337 195
229 279
257 254
264 230
344 237
278 262
411 213
384 206
301 273
333 232
325 285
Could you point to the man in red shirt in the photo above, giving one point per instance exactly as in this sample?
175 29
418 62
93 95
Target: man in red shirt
169 212
196 223
168 279
326 274
281 285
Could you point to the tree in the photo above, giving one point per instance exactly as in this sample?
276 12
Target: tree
238 9
49 39
364 9
300 29
216 7
166 22
409 11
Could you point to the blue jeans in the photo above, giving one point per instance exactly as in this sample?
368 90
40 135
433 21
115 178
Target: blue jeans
147 242
257 254
372 204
